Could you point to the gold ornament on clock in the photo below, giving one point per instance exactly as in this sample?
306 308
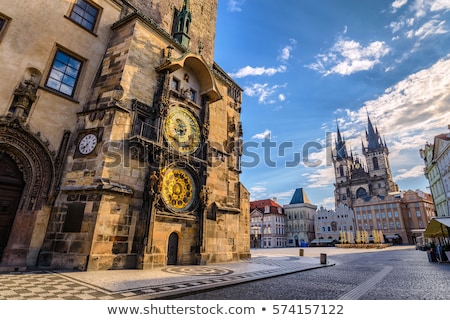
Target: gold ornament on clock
181 130
178 189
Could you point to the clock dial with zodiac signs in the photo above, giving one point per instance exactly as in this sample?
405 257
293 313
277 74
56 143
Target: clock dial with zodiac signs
178 189
181 130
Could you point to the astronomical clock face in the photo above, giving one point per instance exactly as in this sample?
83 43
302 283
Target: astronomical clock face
178 189
181 130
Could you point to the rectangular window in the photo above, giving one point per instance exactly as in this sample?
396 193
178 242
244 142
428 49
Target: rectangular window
85 14
175 84
399 226
3 23
74 217
64 73
193 95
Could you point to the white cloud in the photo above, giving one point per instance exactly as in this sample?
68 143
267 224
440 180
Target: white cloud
286 51
349 56
437 5
264 135
416 171
235 5
397 4
281 97
257 192
263 91
430 28
257 71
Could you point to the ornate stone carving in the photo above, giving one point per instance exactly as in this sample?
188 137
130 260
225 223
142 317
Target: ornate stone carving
33 159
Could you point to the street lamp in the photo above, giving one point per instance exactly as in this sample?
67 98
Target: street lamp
262 230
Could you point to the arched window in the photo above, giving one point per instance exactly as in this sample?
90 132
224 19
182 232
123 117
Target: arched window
361 193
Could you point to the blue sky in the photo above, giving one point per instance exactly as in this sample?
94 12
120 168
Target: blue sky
307 65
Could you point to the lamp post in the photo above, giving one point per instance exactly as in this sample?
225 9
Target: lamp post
262 230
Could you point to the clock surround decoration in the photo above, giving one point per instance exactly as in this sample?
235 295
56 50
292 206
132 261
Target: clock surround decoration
181 130
179 189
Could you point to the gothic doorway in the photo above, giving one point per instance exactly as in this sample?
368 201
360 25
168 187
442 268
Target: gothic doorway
172 249
11 187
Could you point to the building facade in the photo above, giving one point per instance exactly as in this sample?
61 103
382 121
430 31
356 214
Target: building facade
433 175
267 224
330 224
436 157
401 217
120 137
300 215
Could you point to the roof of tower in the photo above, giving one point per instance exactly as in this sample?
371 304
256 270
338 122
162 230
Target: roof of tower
299 197
373 137
341 150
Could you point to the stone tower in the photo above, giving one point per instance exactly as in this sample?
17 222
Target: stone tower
141 166
362 178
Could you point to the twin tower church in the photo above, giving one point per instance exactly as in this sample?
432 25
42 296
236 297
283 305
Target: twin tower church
120 137
356 179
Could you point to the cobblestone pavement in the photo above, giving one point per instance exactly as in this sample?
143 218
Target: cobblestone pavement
395 273
158 283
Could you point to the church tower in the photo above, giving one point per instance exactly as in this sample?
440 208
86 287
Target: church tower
362 178
376 153
342 163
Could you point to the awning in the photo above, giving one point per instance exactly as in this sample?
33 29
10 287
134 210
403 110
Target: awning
438 227
323 241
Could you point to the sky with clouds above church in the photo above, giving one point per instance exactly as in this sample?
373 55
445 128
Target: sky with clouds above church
306 66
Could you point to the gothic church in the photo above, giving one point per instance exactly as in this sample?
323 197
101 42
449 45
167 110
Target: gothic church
362 178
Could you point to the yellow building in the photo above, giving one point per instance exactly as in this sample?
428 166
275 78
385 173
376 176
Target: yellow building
120 137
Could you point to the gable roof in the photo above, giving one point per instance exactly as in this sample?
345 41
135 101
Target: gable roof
261 205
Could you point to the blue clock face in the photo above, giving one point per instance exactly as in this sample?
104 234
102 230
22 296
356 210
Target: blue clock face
87 144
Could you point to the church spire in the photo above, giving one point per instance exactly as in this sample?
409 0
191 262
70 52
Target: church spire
373 137
182 24
341 149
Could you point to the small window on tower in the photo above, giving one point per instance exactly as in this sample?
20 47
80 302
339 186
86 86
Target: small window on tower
175 84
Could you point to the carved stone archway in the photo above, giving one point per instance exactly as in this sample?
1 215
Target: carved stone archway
35 162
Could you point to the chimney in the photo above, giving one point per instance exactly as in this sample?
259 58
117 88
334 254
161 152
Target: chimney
274 199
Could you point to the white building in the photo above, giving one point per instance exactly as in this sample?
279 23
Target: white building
330 223
267 224
300 219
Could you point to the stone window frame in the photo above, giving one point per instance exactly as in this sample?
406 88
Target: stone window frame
53 67
4 22
82 13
